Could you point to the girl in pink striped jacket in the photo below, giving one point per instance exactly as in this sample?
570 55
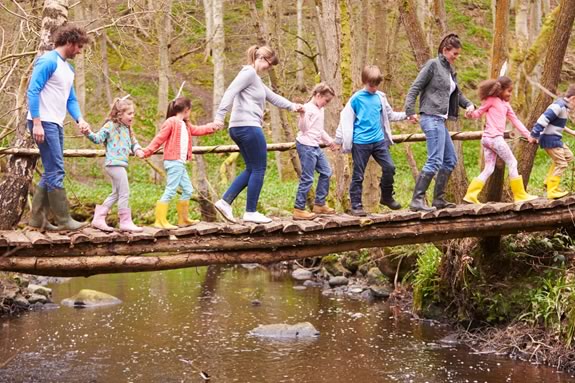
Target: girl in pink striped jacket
495 96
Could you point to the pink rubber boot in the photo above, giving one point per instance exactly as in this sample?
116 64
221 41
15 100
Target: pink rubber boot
99 221
126 223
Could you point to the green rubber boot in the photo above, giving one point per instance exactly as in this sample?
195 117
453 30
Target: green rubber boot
59 205
40 206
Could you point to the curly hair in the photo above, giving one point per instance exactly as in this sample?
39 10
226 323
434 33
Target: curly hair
493 88
70 34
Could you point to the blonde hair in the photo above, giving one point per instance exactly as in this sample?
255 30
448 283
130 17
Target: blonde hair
322 89
119 106
371 75
255 52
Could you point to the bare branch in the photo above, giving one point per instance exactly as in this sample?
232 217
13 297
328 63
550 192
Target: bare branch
17 55
181 56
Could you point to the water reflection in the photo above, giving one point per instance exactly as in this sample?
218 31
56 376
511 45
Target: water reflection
173 324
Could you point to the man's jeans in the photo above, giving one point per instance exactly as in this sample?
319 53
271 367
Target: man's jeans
52 154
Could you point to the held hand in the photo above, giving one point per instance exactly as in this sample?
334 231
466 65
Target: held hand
413 119
470 109
38 133
467 114
140 153
85 130
532 140
83 125
335 147
218 125
299 108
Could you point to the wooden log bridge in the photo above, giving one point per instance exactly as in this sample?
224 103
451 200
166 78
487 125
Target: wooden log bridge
90 251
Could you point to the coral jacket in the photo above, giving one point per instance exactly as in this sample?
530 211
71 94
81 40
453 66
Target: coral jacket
170 135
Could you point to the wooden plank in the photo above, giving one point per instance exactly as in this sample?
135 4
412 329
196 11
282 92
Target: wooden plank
344 220
155 231
484 209
542 203
380 217
290 227
16 239
185 231
273 226
520 206
37 238
235 228
204 228
57 238
145 235
255 227
3 241
79 237
306 226
327 223
99 236
404 216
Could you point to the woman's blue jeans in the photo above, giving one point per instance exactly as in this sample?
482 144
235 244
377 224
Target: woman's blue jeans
440 149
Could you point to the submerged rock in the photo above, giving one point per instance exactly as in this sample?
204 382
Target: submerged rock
380 291
301 274
41 290
338 281
90 298
286 331
37 298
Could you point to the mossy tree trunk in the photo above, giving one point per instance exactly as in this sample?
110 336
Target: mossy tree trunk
550 79
15 182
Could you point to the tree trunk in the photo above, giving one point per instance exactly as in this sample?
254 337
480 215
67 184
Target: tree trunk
329 36
414 31
440 16
205 197
80 62
15 182
209 17
105 66
163 30
550 78
218 52
300 80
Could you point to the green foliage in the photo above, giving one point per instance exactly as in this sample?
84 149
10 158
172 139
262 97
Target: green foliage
426 282
553 305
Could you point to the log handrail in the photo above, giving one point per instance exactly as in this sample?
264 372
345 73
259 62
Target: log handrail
280 147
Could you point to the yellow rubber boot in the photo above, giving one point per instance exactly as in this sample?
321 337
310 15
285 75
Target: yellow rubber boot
549 173
553 190
161 216
183 219
518 190
473 191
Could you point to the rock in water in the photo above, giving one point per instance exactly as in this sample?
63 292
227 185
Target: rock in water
90 298
338 281
286 331
301 274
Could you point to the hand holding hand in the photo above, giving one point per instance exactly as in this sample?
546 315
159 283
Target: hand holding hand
218 125
532 140
299 108
140 153
334 147
38 133
469 109
414 119
82 124
85 130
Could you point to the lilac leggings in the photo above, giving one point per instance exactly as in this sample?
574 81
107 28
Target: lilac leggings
493 148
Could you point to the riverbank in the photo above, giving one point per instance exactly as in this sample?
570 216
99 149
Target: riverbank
20 293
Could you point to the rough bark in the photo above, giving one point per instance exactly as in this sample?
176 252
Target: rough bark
15 182
300 80
549 79
218 52
328 34
415 33
163 31
79 61
208 12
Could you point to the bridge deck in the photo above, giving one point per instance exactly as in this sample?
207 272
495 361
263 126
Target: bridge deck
91 251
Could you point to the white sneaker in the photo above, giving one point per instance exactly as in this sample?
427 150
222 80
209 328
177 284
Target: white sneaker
256 217
225 210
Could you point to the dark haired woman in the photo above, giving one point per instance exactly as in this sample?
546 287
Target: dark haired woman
439 100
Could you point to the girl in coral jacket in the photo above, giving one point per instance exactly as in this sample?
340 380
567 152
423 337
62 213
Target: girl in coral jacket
176 136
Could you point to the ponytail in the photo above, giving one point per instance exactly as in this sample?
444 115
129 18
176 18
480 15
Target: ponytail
178 105
493 88
450 41
255 52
